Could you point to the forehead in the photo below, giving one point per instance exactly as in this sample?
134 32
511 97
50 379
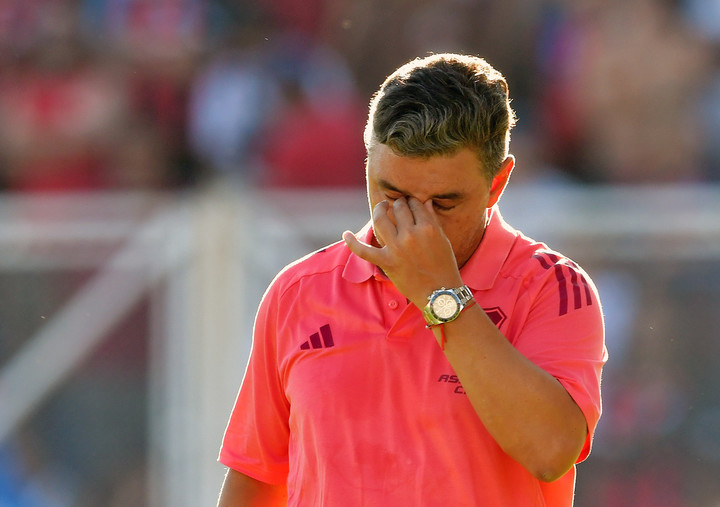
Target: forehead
425 177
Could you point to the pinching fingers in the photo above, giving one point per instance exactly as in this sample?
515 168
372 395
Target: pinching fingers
420 210
403 212
430 211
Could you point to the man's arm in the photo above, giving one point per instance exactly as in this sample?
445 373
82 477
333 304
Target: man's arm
239 490
526 410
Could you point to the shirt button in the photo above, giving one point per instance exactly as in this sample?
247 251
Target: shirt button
393 304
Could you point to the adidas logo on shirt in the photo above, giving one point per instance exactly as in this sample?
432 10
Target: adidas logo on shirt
316 342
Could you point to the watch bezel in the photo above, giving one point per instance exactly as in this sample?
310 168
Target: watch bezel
453 295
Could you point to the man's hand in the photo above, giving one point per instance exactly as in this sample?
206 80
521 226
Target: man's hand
415 254
526 410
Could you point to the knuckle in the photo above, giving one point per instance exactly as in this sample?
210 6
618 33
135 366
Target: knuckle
426 228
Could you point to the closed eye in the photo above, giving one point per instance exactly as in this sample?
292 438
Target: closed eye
442 207
439 204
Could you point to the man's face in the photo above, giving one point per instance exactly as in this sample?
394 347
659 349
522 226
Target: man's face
459 190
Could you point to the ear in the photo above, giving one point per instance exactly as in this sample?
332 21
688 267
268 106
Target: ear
500 181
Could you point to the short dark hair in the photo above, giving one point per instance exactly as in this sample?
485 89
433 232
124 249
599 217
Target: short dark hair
440 104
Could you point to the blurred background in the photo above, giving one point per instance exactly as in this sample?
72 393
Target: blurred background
160 160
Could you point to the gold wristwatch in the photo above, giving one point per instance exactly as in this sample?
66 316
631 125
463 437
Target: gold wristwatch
444 305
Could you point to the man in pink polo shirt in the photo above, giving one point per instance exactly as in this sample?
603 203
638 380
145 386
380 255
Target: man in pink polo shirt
438 357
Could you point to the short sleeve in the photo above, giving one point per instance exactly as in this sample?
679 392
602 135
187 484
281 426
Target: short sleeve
564 334
256 437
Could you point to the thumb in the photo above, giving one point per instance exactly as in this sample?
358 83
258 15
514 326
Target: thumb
362 250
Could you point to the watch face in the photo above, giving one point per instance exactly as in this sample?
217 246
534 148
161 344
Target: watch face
444 306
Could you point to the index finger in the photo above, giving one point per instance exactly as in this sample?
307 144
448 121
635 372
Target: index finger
402 210
382 224
420 210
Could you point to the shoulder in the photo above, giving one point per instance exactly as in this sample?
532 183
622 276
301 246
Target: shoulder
544 269
534 256
567 276
524 258
316 266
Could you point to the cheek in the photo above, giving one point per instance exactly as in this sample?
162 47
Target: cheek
464 232
452 229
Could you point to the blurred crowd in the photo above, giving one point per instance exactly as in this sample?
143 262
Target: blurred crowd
165 94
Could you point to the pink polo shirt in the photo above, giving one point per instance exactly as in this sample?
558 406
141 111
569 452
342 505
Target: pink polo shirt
348 399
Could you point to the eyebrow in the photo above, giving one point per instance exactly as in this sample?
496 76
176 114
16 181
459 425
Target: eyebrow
443 197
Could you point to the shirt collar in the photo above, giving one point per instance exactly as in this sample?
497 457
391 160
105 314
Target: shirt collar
358 270
483 267
479 272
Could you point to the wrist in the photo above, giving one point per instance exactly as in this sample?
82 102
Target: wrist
444 305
